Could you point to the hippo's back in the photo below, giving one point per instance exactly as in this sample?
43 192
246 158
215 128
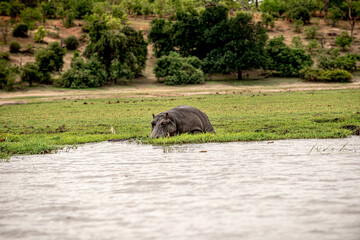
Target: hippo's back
190 117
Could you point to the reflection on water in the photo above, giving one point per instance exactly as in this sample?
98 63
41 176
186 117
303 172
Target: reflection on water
292 189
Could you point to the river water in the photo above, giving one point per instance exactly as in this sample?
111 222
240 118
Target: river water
289 189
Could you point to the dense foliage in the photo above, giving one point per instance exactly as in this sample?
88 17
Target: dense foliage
83 74
123 52
224 44
71 43
332 59
7 75
336 75
175 70
39 34
14 47
50 60
20 30
284 60
344 40
31 74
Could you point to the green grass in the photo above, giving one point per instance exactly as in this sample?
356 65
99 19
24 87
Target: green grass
46 126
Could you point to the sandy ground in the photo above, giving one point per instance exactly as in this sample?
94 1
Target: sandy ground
141 88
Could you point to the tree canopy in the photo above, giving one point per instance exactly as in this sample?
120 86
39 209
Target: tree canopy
225 44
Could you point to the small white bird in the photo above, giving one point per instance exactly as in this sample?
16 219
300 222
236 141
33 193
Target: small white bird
112 130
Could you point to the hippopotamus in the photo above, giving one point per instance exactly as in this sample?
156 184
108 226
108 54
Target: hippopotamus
180 119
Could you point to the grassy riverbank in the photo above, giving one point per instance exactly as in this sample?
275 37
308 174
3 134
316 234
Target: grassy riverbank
43 127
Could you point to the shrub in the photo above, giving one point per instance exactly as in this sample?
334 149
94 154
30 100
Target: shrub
175 70
296 42
39 34
336 75
71 43
344 40
299 13
118 12
31 74
53 34
21 30
334 14
331 59
4 56
7 75
311 32
69 20
267 20
313 46
84 74
297 25
14 47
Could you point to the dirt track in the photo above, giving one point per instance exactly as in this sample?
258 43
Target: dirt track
144 88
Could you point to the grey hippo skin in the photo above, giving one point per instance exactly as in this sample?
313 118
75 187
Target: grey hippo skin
181 119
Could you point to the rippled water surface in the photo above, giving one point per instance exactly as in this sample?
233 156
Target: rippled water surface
291 189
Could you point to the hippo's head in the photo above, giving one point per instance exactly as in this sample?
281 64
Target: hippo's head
162 126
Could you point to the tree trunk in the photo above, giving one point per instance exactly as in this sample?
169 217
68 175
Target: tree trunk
326 7
352 24
257 4
240 75
351 18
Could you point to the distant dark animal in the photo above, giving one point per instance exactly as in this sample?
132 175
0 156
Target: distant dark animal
181 119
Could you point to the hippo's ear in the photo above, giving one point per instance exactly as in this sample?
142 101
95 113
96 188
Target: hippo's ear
167 115
153 116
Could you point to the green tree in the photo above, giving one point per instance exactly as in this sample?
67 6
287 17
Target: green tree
124 48
186 33
268 20
160 36
29 16
14 9
334 15
271 7
50 59
284 60
243 48
48 9
31 74
7 75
